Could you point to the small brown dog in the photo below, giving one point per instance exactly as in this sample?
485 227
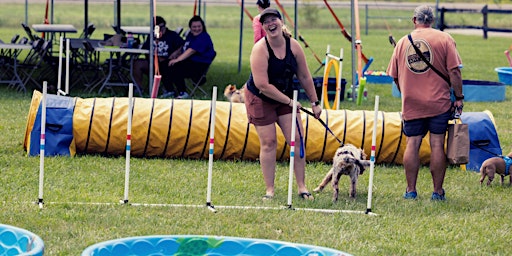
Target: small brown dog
348 160
495 165
233 94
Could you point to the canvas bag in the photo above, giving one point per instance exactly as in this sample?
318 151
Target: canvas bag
457 149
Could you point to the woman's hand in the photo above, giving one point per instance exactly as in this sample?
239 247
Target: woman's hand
291 104
172 62
317 110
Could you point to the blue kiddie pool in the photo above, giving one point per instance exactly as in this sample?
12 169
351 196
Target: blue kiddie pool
191 245
18 241
474 90
504 75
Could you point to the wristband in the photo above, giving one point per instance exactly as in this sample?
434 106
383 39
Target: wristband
316 103
459 98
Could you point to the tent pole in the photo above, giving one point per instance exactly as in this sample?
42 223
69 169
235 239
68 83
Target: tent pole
86 11
26 11
295 33
51 20
241 36
352 44
151 47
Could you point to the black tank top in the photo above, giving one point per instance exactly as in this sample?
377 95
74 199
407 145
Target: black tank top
280 73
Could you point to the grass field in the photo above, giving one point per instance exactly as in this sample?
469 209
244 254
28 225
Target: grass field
471 222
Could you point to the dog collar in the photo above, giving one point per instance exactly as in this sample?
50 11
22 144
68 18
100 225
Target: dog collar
508 163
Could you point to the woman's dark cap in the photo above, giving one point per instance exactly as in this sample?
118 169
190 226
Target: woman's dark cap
269 11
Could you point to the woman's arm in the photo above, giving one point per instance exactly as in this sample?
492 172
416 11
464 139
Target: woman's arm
304 76
187 53
303 73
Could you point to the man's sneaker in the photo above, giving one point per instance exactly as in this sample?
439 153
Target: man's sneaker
183 95
438 197
410 195
167 95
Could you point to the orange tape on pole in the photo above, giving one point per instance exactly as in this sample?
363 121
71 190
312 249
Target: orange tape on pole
343 31
300 36
245 10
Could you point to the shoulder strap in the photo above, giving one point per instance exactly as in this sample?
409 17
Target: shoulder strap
270 51
428 62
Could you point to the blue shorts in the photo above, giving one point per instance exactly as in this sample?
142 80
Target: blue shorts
436 125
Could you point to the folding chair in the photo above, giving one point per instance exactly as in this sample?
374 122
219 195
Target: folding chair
15 38
7 53
33 62
79 53
89 71
87 32
7 59
197 82
32 37
179 30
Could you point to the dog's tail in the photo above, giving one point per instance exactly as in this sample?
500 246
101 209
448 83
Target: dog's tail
487 171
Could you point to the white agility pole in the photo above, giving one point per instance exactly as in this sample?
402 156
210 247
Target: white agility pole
325 71
42 142
59 71
337 63
67 66
372 156
210 152
338 81
292 148
128 143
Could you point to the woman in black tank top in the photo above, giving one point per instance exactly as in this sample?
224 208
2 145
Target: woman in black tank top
274 63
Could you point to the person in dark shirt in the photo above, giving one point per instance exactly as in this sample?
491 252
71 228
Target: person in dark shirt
167 47
196 56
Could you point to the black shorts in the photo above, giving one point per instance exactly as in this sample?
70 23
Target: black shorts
436 125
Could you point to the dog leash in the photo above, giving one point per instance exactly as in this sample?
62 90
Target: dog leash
301 139
488 151
323 123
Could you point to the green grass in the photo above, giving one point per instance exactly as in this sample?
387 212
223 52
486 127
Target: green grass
472 221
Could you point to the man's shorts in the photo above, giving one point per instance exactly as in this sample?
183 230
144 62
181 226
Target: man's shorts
436 125
262 113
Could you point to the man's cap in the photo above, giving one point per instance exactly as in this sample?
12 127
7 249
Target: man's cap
267 12
160 20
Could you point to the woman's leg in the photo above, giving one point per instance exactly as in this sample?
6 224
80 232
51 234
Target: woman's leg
186 69
285 122
165 72
140 67
268 144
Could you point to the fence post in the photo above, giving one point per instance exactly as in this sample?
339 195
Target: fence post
440 26
485 11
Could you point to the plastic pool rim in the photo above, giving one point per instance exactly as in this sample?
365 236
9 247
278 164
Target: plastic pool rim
318 250
36 243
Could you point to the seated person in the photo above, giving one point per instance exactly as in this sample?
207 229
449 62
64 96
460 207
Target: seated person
197 55
167 46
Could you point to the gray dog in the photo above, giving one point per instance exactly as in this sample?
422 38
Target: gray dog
348 160
493 165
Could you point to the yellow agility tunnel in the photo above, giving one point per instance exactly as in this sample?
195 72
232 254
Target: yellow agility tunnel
171 128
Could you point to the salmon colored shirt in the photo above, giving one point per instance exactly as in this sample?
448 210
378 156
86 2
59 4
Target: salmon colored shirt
424 93
257 27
